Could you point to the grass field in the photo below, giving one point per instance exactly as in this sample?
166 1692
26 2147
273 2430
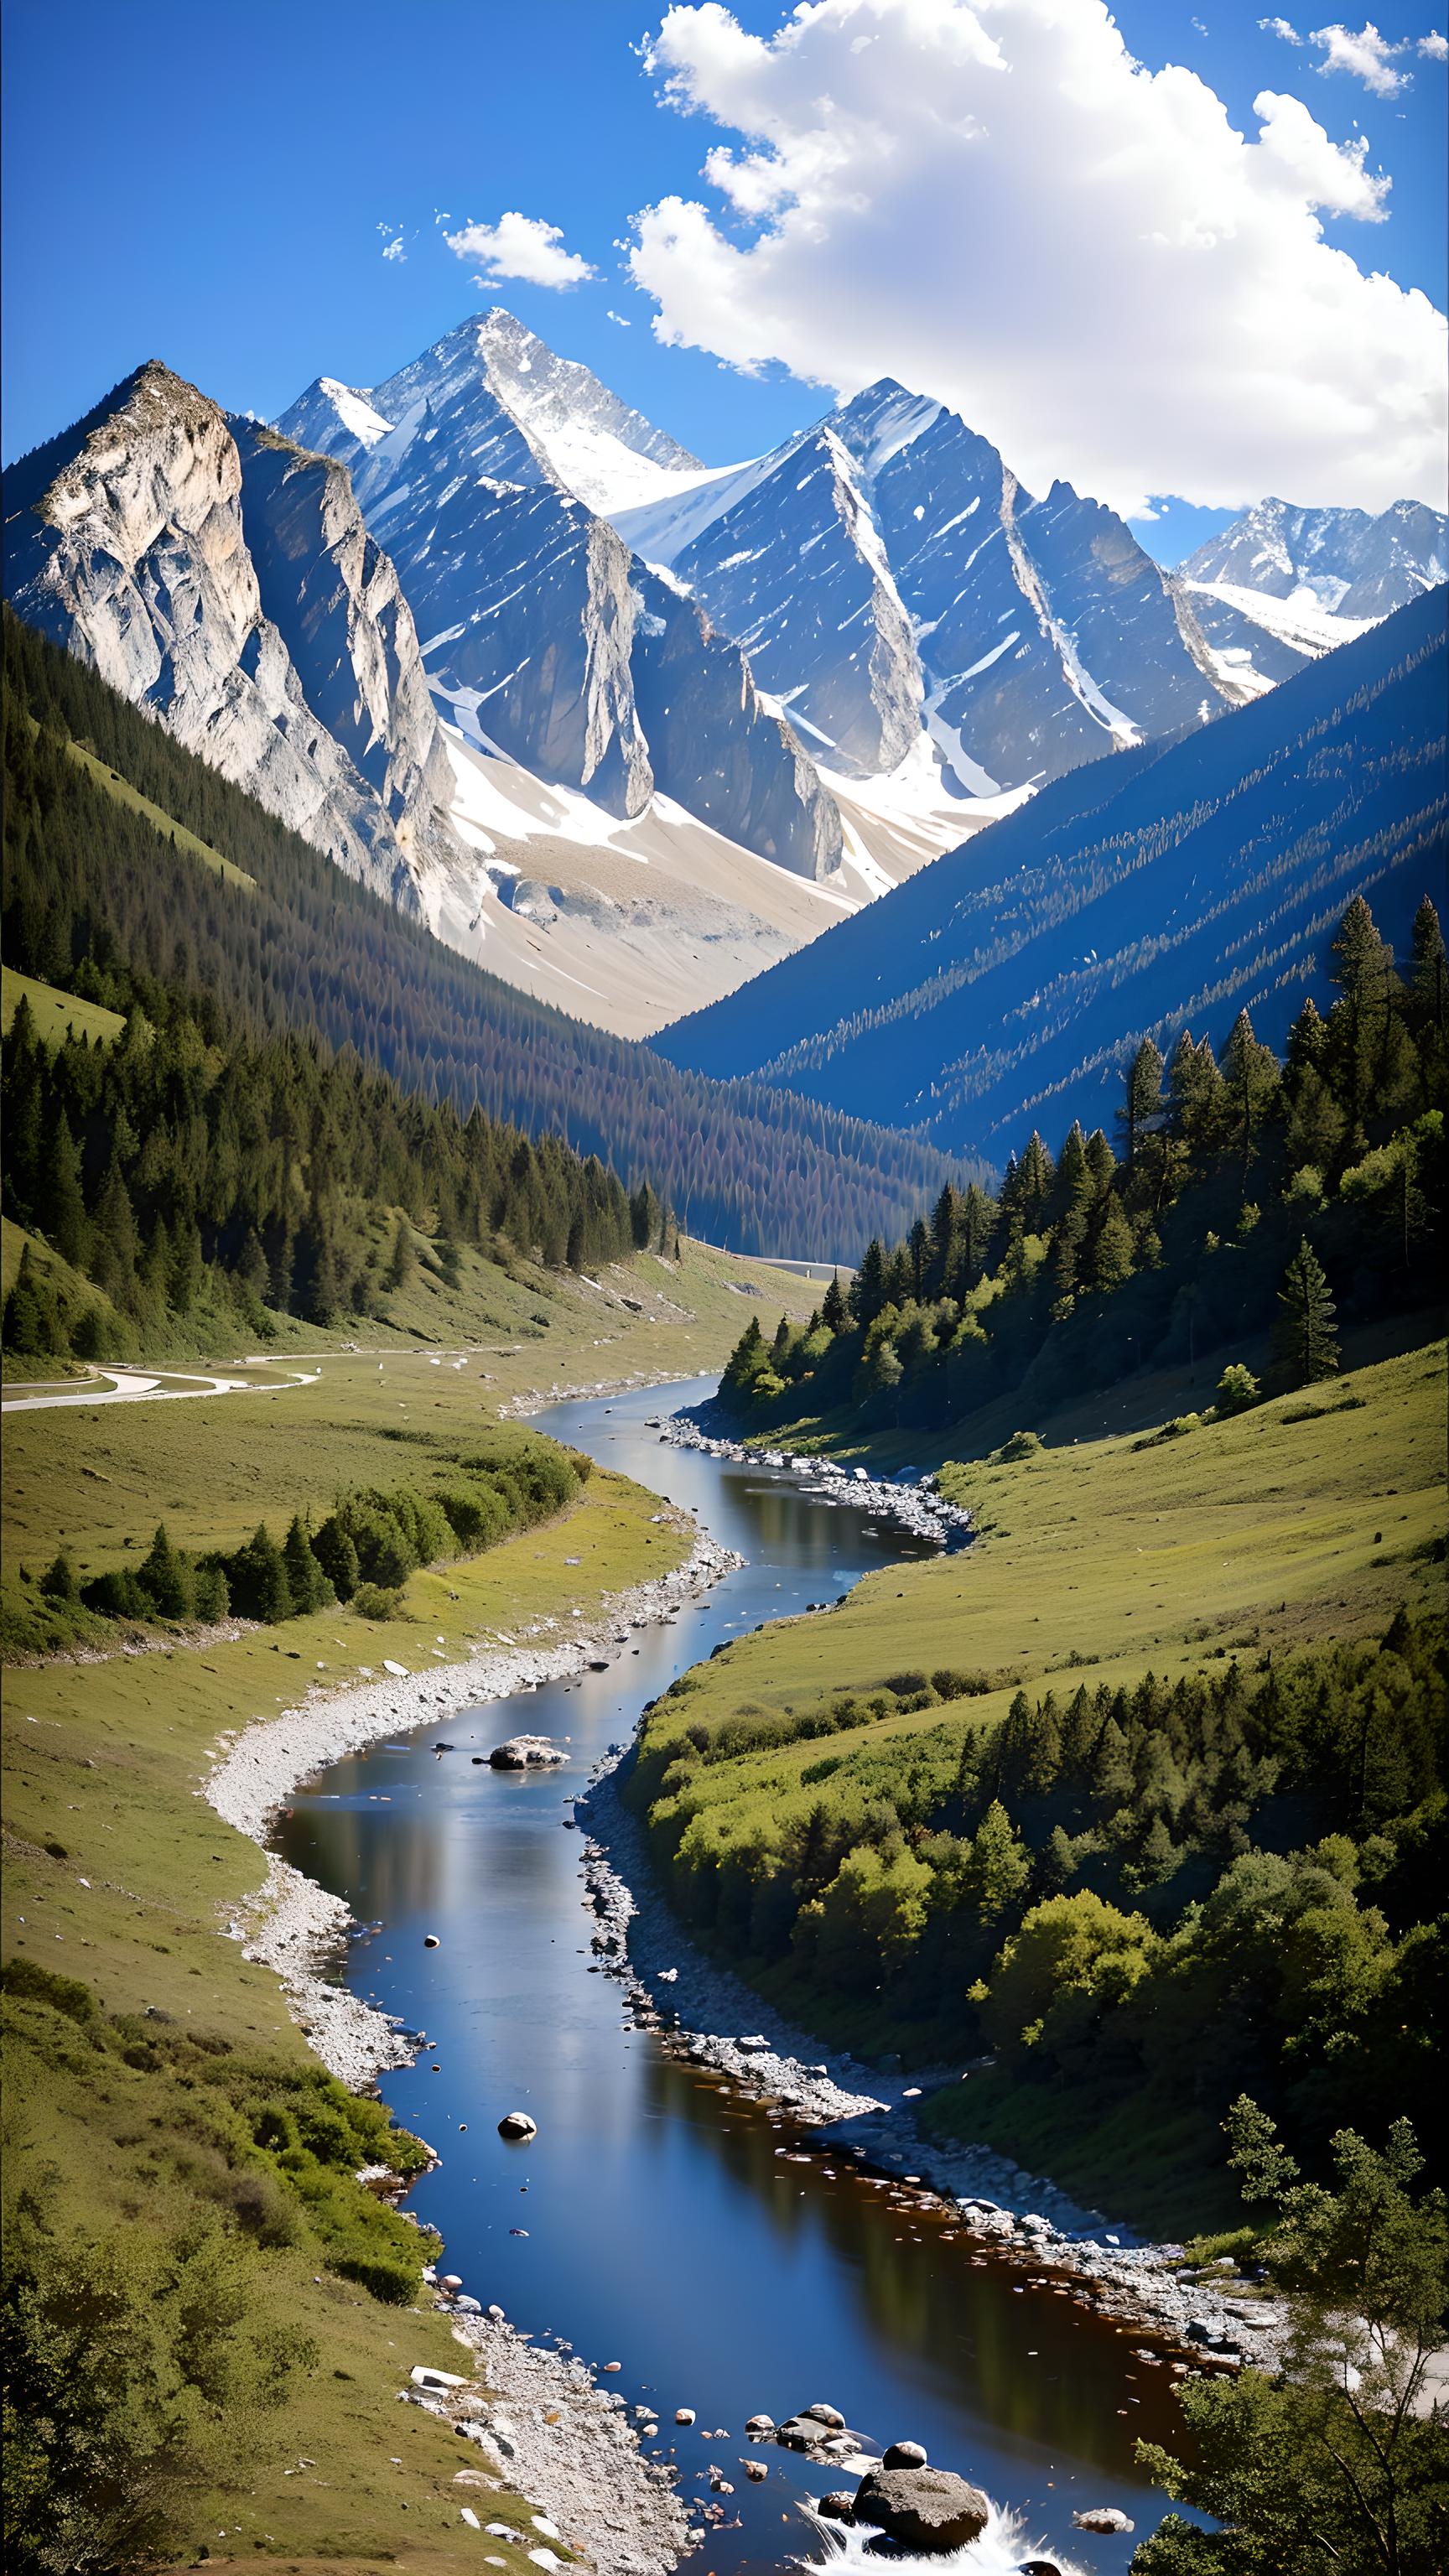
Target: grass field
56 1014
1296 1521
1311 1517
119 1874
92 1478
113 784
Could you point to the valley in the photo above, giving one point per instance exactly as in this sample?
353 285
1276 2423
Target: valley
724 1686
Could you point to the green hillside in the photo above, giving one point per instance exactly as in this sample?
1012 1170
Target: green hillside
56 1016
200 2296
828 1803
1250 1198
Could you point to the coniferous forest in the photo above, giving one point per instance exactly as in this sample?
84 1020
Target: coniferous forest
1238 1193
97 895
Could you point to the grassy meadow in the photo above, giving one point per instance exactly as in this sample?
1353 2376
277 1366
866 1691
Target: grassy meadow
1095 1563
119 1876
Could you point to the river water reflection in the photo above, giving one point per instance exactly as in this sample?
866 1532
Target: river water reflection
653 2220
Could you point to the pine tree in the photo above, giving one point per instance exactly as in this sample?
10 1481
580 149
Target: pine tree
1074 1173
1250 1072
58 1582
60 1208
24 1329
747 1361
1112 1253
258 1577
165 1578
115 1245
335 1552
868 1287
1199 1103
1363 971
978 1224
834 1313
402 1260
1142 1102
1430 970
306 1582
1101 1162
1304 1338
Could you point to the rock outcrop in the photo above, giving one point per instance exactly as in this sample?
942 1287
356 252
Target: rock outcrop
242 603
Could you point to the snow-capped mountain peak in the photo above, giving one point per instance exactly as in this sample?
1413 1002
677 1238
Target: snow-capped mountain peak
1355 566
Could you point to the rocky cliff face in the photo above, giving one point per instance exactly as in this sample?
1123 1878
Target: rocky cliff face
795 570
336 601
704 718
529 602
244 604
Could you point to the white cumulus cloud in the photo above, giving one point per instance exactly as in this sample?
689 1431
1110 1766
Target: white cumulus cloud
1367 55
521 246
993 201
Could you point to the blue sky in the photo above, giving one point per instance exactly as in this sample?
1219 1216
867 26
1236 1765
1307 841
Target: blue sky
206 185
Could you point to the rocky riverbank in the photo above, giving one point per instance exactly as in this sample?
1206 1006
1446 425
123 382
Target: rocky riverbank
914 1507
561 2441
295 1927
566 2444
840 2107
535 1399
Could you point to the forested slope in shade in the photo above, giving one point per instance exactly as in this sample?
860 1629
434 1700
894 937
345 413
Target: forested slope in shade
1007 984
184 1171
1241 1184
92 883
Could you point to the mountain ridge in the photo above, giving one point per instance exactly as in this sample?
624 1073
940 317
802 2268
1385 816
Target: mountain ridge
1161 886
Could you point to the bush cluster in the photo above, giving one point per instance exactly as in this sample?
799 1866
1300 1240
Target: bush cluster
363 1552
1218 1880
142 2362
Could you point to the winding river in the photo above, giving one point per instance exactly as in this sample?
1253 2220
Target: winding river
654 2221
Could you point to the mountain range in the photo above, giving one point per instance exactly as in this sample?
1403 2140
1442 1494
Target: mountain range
630 729
1005 987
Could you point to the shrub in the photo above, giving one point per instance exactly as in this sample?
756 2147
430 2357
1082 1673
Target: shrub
376 1601
1022 1444
1237 1389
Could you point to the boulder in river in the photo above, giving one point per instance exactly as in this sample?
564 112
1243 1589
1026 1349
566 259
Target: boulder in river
524 1752
1104 2518
431 1941
904 2455
829 2416
839 2507
760 2427
684 2414
517 2124
927 2509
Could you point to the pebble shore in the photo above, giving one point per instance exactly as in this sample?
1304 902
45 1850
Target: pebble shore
566 2444
563 2442
917 1507
295 1927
